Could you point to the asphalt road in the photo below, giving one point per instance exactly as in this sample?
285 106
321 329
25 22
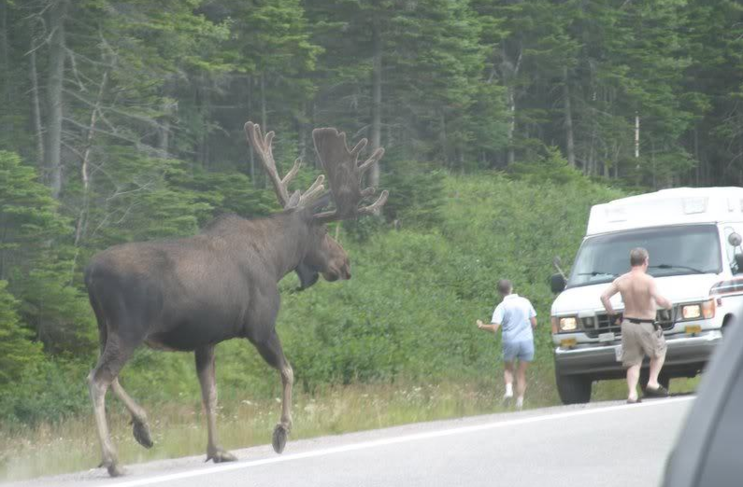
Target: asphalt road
596 445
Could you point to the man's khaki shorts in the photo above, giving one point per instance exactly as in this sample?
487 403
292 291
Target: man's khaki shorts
640 339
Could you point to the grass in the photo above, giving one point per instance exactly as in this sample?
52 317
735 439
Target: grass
179 429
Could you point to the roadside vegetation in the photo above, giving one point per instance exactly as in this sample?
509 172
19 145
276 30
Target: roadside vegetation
397 343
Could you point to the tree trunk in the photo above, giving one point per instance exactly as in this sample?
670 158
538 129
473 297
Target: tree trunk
299 119
511 126
57 55
163 126
696 155
5 58
251 156
206 101
264 113
264 122
569 143
376 127
637 136
36 105
84 172
444 138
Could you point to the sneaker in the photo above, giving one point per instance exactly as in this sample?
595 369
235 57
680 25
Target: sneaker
507 397
519 403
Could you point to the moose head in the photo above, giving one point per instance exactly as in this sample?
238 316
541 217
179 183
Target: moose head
324 255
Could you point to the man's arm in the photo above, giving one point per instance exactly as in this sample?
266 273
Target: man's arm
662 302
492 326
606 297
532 316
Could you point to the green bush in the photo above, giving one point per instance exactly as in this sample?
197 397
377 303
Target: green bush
408 314
416 193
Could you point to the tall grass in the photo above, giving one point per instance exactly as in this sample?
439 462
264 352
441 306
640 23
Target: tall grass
180 430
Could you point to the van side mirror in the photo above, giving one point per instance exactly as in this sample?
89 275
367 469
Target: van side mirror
557 283
735 239
739 263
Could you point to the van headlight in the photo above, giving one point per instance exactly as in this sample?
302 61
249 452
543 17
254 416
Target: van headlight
568 323
705 310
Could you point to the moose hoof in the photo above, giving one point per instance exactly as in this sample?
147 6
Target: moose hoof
114 470
280 434
142 434
220 456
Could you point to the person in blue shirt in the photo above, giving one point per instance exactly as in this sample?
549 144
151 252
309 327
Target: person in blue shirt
517 318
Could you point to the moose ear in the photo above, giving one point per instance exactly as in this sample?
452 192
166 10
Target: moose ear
294 200
321 203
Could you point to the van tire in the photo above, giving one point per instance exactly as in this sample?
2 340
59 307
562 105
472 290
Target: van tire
573 389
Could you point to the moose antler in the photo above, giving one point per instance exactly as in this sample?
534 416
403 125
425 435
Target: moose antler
262 146
344 175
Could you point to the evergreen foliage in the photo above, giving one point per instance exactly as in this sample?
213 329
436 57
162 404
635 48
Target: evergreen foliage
17 351
503 121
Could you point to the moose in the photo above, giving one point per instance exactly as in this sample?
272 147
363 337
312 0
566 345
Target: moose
192 293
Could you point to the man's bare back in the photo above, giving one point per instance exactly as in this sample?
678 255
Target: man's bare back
640 295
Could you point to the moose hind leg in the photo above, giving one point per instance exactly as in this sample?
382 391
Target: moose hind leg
140 427
272 352
205 369
100 378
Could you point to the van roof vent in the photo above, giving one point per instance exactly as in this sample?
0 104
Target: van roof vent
695 205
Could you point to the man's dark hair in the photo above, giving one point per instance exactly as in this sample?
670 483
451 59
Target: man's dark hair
504 287
638 256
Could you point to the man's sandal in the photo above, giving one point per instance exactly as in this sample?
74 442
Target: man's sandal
634 401
659 391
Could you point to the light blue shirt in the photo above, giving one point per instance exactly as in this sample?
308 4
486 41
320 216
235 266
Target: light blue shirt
514 315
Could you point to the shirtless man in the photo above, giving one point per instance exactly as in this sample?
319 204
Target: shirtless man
640 335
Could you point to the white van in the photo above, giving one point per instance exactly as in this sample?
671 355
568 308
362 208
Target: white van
693 236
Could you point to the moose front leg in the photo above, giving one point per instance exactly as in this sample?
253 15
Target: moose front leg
109 365
272 352
205 369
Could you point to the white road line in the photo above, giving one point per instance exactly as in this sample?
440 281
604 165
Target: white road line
390 441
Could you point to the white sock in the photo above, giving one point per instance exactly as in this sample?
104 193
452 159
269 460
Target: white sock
520 402
509 390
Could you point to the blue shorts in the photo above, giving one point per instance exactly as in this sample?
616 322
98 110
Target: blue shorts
523 350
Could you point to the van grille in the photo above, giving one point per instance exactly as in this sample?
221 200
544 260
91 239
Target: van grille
595 325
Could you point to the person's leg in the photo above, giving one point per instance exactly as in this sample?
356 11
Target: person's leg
509 355
633 377
521 383
525 355
656 364
632 355
656 345
508 379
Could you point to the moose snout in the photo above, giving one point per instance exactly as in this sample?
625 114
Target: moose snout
342 272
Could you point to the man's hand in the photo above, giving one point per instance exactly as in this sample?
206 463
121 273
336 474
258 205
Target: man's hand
480 324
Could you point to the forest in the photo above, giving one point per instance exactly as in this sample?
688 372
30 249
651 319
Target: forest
502 121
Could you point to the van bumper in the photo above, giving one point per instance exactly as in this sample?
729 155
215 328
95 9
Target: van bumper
686 355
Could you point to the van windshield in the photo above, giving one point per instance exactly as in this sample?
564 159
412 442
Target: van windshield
673 251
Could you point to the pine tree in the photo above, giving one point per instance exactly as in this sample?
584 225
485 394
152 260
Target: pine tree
17 352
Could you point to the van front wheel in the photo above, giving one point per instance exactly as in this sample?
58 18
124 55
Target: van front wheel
573 389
